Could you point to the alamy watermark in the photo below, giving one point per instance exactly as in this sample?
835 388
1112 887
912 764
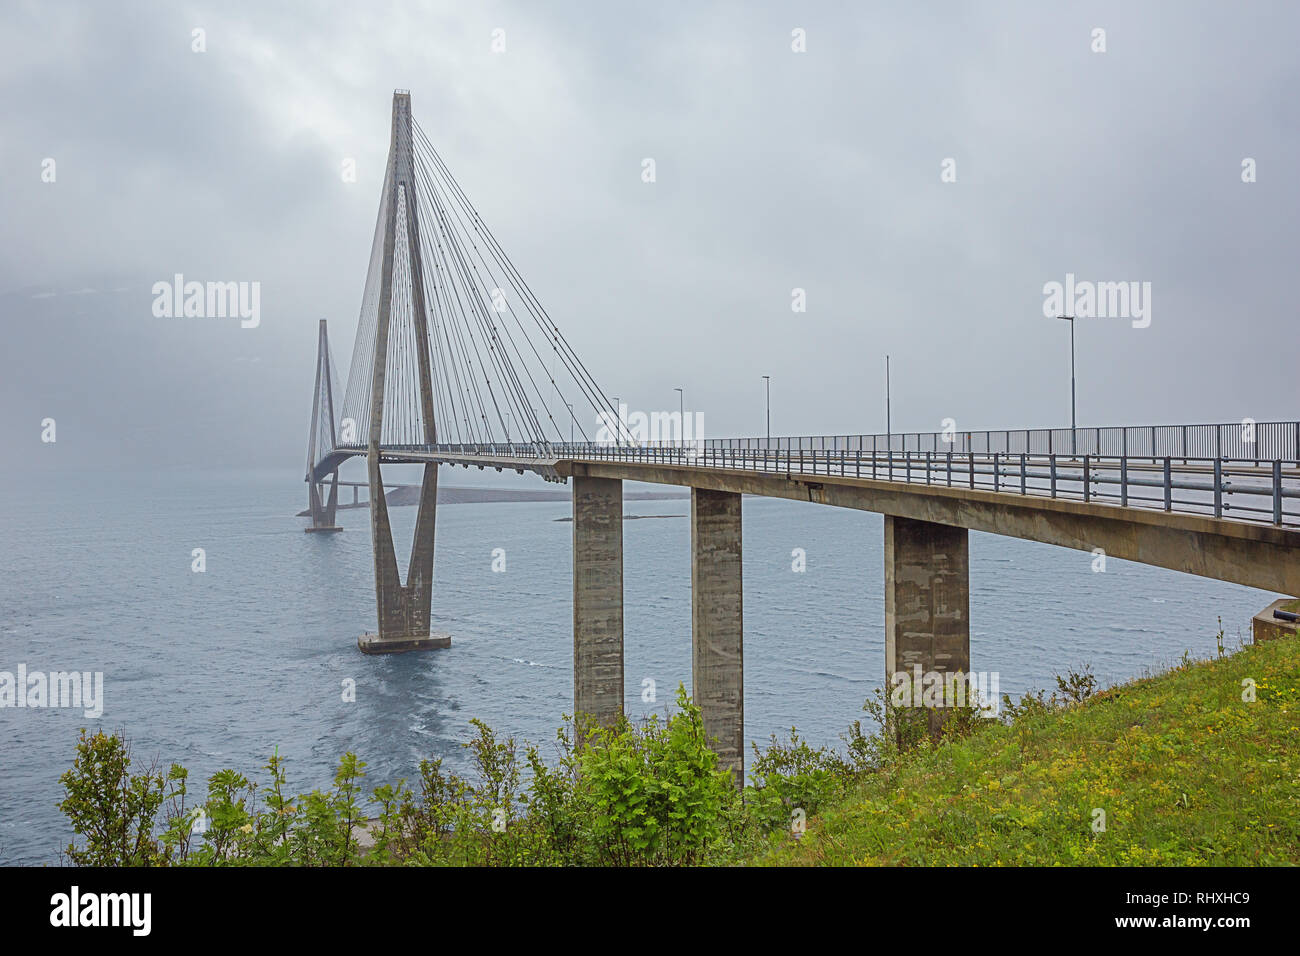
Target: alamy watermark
673 429
213 300
1085 299
917 688
38 689
75 908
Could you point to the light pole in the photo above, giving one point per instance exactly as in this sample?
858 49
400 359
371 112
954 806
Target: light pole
571 421
767 382
618 431
889 441
1070 319
681 415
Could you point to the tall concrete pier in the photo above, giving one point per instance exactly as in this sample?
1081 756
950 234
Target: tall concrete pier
927 601
322 437
323 508
403 611
717 614
597 600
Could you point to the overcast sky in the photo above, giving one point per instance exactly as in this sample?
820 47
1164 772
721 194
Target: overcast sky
775 170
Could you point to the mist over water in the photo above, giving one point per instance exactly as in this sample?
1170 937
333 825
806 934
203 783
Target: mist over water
217 669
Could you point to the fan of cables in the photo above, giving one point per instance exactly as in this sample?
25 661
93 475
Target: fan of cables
500 369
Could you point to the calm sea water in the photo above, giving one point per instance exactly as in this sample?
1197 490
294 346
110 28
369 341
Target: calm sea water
216 669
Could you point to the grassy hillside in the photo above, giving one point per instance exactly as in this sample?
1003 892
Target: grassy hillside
1185 771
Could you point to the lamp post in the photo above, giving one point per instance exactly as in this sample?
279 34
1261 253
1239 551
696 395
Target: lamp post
889 441
1073 448
681 415
767 382
571 421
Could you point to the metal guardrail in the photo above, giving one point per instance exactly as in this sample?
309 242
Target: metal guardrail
1257 441
1243 489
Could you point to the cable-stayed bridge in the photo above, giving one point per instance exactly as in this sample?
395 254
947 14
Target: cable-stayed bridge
456 362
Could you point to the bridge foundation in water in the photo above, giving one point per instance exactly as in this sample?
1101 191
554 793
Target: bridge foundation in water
927 603
597 601
324 509
404 610
717 598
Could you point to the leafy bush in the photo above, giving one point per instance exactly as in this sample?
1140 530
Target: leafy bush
111 807
656 794
1074 688
793 778
647 794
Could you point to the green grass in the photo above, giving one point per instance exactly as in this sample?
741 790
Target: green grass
1186 772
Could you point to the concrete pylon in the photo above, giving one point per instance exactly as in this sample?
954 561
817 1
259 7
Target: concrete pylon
404 610
717 625
322 439
597 601
323 508
927 607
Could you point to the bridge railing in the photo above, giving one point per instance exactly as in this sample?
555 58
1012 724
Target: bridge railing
1213 470
1251 441
1258 442
1242 489
1238 488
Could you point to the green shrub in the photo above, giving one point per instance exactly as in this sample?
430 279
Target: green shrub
656 794
793 780
111 807
647 794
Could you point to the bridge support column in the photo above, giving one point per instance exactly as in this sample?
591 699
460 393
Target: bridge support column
597 601
404 610
927 605
717 671
323 512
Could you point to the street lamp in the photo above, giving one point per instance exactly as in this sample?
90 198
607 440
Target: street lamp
767 383
681 415
889 441
1070 319
571 421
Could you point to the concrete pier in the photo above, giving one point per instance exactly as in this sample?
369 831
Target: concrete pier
323 509
377 644
404 610
597 600
717 613
927 600
321 438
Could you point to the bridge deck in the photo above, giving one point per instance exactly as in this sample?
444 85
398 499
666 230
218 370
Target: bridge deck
1231 490
1231 520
